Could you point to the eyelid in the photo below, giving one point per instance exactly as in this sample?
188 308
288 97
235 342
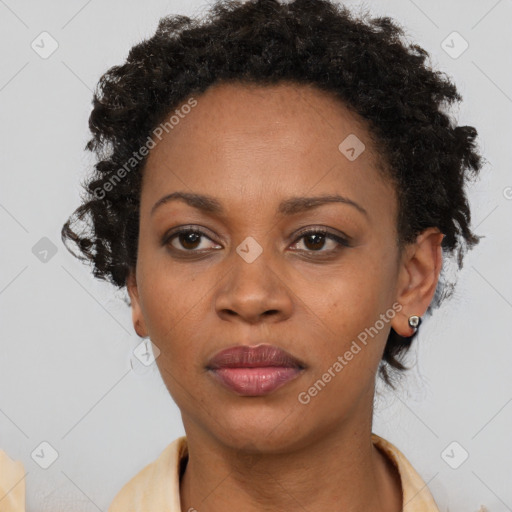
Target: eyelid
302 231
189 228
321 229
339 237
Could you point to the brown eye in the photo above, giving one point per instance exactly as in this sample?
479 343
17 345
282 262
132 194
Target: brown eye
186 240
189 239
315 241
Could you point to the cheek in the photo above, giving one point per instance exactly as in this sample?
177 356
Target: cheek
173 304
349 340
350 296
352 316
173 310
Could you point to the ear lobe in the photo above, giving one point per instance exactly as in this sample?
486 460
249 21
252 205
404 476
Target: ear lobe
419 275
137 317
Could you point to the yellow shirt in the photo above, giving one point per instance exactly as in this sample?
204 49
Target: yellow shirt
156 488
12 484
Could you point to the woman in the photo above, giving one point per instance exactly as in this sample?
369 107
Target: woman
277 185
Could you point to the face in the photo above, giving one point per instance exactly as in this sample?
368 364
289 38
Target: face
255 271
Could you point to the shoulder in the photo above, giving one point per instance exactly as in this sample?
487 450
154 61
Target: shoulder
416 494
156 486
12 484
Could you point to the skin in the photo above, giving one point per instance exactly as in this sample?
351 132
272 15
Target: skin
251 147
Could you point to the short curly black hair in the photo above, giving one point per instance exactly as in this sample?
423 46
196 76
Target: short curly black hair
365 62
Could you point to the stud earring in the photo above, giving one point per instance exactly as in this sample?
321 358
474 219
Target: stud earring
414 321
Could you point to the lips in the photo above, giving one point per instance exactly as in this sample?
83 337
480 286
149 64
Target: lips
254 371
243 356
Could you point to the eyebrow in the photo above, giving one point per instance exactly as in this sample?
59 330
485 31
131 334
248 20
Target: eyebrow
287 207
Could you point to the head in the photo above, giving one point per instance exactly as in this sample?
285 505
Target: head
242 116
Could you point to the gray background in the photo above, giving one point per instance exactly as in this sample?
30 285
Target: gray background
67 339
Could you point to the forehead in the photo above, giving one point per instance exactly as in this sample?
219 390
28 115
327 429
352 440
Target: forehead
241 141
267 111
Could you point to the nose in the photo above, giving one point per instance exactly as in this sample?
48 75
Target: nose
254 291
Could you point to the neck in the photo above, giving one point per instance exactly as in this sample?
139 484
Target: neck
340 471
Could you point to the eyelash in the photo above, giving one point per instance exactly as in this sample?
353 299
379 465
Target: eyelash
340 240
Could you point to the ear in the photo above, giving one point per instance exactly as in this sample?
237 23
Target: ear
137 317
418 277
